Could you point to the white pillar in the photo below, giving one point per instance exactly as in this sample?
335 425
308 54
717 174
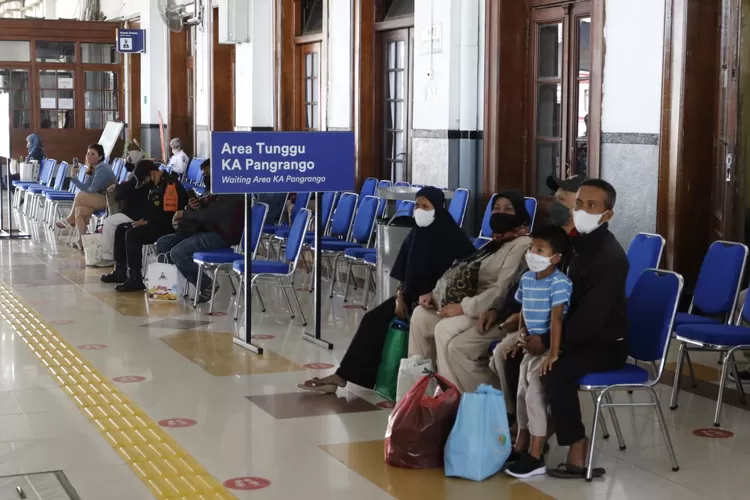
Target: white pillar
154 76
339 86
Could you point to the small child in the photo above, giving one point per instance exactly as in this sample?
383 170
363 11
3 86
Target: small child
544 293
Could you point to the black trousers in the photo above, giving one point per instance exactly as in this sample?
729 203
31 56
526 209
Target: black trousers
129 242
561 384
361 361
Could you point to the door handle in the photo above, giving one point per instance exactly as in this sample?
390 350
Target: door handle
729 161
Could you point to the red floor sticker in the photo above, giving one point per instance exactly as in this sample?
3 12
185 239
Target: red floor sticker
129 379
177 422
247 483
92 347
713 433
318 366
261 337
386 404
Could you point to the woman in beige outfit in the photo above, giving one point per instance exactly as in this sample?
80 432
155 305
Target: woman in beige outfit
433 332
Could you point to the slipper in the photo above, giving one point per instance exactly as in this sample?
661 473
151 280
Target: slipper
315 386
567 471
62 224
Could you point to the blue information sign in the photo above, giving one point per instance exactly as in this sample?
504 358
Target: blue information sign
130 41
281 162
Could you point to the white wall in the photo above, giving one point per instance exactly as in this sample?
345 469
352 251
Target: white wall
68 9
339 88
633 35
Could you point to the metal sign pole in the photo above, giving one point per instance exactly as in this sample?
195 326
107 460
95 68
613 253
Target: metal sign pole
315 337
246 343
10 233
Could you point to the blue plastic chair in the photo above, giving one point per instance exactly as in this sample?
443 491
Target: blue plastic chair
36 193
458 204
531 205
46 169
405 209
220 261
369 188
644 252
300 203
401 184
652 307
193 176
281 273
59 200
340 226
328 202
485 232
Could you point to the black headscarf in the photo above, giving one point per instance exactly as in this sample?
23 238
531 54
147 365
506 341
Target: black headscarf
429 251
522 219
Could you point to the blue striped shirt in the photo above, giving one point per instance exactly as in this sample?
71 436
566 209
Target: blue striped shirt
539 296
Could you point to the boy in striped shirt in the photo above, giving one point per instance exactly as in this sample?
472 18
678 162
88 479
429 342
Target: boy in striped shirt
544 293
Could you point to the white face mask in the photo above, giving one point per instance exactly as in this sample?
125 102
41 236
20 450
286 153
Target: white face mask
175 151
537 263
586 222
424 218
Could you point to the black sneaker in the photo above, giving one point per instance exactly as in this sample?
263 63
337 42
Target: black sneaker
514 457
526 467
744 376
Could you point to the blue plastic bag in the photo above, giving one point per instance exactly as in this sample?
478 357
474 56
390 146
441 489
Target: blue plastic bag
479 443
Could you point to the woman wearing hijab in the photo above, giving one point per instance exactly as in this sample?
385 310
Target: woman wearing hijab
36 152
434 332
431 247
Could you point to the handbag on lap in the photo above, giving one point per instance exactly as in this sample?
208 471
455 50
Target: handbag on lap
457 283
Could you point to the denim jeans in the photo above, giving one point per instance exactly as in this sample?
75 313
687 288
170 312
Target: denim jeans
180 247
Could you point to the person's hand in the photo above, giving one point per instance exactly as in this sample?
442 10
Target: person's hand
426 301
401 310
486 320
178 215
451 310
511 324
194 203
547 363
111 189
140 223
512 351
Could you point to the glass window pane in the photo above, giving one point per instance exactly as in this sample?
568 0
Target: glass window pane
547 163
308 65
308 116
93 100
548 110
55 52
19 78
65 94
94 120
308 89
390 88
99 53
315 57
100 80
21 118
399 85
316 90
4 78
400 54
398 145
398 118
316 119
15 51
549 51
391 55
584 46
399 8
65 80
390 121
312 16
47 79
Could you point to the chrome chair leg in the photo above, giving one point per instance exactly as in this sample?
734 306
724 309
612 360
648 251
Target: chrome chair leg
253 286
664 429
592 442
213 291
737 380
602 422
299 305
615 422
368 278
283 287
677 377
690 367
238 298
198 285
722 383
348 280
334 270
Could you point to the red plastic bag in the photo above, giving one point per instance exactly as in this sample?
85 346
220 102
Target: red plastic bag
420 424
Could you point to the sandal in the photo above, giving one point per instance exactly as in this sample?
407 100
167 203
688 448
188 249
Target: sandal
62 224
315 385
568 471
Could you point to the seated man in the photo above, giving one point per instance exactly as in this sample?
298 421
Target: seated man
209 223
164 198
178 163
594 337
544 293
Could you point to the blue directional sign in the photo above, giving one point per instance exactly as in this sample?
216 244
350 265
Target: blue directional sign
281 162
130 41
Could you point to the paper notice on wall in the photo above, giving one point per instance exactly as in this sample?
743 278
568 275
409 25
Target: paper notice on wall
64 103
64 83
49 103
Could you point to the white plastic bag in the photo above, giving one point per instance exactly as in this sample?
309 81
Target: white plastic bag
410 371
29 171
162 282
92 248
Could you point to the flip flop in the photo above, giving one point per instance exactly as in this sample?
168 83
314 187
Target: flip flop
315 386
567 471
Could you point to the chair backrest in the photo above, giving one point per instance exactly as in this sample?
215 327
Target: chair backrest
257 221
193 174
364 221
117 166
52 173
401 184
296 238
486 231
45 171
341 222
651 311
384 184
531 208
719 279
369 187
62 171
405 209
644 253
418 186
327 202
457 206
302 200
123 174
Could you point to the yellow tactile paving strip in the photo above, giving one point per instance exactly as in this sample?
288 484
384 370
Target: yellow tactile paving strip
155 457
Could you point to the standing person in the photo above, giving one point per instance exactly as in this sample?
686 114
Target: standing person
424 256
179 160
165 197
91 195
596 329
211 222
544 293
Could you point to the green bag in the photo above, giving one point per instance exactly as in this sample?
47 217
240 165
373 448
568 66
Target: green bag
395 349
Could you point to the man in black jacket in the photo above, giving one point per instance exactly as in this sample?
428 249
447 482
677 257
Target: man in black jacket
595 329
165 197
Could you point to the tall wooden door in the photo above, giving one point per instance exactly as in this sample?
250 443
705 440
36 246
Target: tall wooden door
223 82
724 194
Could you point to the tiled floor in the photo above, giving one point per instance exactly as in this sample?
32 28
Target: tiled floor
239 415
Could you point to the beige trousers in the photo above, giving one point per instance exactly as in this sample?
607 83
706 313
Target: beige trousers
84 205
531 409
460 352
497 366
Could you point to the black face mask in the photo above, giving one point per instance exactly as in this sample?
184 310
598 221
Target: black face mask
207 182
502 223
559 214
